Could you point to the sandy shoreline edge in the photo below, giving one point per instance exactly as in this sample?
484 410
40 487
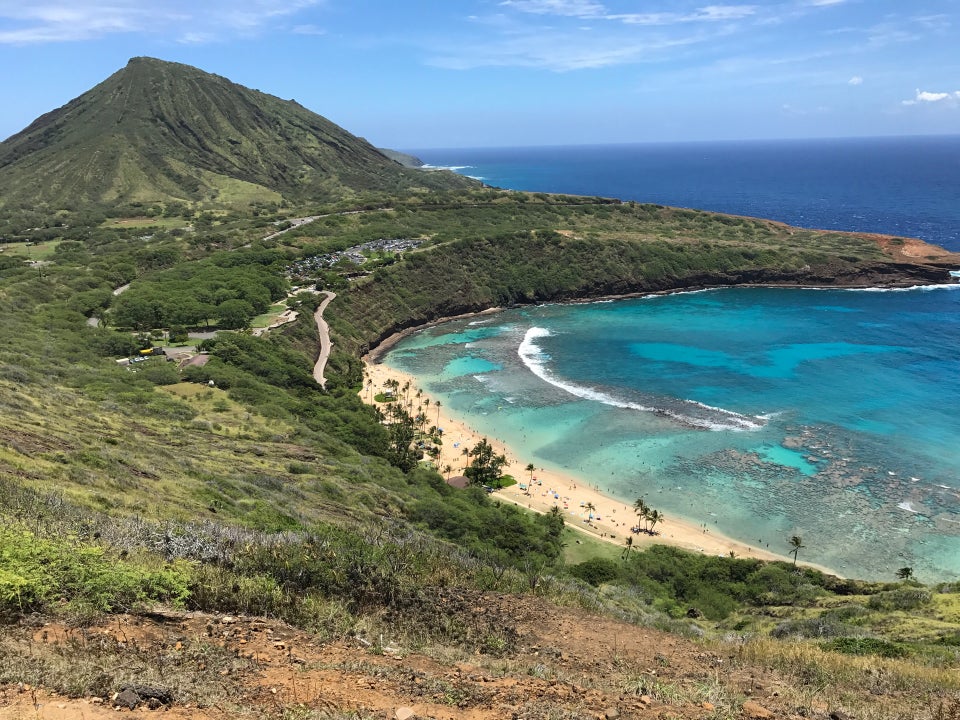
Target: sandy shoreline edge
678 532
612 518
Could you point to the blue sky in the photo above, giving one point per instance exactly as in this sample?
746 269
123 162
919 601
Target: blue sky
469 73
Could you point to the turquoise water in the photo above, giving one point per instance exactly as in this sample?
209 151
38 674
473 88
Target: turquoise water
765 413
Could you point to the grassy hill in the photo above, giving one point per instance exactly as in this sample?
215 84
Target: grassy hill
510 249
235 539
145 500
160 131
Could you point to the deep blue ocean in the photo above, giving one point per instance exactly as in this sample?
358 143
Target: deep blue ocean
900 186
765 413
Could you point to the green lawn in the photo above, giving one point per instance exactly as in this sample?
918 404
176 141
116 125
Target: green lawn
30 250
579 547
269 317
163 223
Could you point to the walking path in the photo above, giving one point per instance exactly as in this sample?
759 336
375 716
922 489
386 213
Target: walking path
324 332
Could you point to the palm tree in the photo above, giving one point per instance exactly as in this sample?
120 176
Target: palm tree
654 516
905 574
590 508
796 542
530 468
626 552
437 403
448 469
394 385
643 510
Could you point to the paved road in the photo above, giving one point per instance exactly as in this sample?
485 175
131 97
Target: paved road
324 332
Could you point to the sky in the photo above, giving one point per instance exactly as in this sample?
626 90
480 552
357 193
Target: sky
411 74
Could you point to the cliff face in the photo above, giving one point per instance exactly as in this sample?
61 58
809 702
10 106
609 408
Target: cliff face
882 274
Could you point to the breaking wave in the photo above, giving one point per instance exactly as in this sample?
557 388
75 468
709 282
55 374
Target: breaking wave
452 168
912 288
686 412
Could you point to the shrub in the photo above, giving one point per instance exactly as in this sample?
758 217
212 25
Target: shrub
818 627
160 373
36 573
596 571
845 612
178 334
865 646
907 598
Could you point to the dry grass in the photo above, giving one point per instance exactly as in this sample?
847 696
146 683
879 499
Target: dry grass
869 688
84 663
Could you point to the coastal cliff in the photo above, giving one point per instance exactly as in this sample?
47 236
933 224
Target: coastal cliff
621 251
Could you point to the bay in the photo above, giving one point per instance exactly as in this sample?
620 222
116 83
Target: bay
763 413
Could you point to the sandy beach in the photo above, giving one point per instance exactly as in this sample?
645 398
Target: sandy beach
612 519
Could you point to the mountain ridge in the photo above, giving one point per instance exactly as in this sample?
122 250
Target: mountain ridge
158 131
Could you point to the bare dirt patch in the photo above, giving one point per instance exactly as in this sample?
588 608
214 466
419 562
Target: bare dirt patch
912 249
558 663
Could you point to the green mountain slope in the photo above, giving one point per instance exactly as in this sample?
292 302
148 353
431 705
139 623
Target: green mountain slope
130 494
157 130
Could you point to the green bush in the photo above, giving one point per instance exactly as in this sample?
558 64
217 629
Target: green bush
159 372
818 627
906 598
38 574
865 646
596 571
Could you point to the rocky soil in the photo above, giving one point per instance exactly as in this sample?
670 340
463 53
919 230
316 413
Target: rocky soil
545 663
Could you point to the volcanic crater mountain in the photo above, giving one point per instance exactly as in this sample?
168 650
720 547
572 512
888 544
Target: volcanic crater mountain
157 131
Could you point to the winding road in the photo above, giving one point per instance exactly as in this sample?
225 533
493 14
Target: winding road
324 332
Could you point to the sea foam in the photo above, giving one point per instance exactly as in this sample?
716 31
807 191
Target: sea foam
912 288
689 412
453 168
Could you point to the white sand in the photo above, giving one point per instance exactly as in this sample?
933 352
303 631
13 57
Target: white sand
612 519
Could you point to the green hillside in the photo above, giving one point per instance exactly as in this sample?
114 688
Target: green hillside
128 489
158 131
500 249
172 498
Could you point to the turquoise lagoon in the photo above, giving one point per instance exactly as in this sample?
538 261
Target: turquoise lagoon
762 413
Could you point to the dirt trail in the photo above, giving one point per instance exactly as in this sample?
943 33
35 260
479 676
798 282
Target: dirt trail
561 663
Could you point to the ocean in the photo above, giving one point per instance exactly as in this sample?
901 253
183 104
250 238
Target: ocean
900 186
762 413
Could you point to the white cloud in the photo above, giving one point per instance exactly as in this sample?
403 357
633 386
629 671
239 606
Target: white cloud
595 11
560 52
48 21
710 13
308 30
923 96
522 37
723 12
566 8
855 80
